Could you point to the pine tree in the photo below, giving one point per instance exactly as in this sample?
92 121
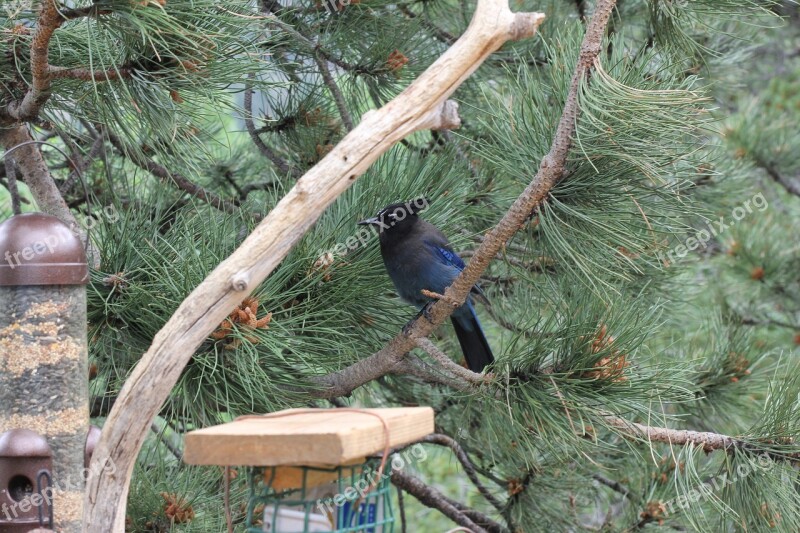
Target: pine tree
620 313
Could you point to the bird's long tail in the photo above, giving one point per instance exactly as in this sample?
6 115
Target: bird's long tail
471 338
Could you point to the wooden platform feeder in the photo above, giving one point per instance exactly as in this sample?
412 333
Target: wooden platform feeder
315 470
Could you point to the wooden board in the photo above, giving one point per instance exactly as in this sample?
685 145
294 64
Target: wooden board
306 437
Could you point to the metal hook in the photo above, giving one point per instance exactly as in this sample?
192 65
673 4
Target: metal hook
44 474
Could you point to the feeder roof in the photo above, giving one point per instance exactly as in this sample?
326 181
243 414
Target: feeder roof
39 249
23 443
301 437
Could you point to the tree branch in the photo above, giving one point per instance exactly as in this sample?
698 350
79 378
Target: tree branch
550 171
708 440
791 186
449 365
469 468
39 91
422 105
168 176
430 497
265 150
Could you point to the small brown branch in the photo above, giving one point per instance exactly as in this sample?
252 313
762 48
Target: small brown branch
322 64
338 97
265 150
791 186
551 170
11 185
469 468
707 440
616 486
413 366
37 176
167 176
442 35
85 74
39 91
430 497
450 365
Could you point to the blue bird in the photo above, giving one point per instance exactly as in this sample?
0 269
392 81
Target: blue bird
418 257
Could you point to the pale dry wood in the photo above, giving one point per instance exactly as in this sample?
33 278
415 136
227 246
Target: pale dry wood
423 105
321 437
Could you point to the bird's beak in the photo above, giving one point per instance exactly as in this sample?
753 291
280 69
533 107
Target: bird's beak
374 221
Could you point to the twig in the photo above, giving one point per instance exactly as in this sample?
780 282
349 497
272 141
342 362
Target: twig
792 187
11 185
167 176
616 486
402 508
322 62
432 498
168 444
265 150
469 468
449 365
709 441
444 36
85 74
413 366
550 171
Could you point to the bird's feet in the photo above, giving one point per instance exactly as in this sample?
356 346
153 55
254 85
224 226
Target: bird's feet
425 311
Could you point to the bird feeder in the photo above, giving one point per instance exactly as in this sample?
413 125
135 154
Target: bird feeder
26 463
43 356
314 470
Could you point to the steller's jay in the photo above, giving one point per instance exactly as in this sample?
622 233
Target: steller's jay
418 257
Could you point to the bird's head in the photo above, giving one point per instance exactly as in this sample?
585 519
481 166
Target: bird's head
397 217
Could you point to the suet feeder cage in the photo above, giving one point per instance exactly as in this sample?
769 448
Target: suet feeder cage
314 470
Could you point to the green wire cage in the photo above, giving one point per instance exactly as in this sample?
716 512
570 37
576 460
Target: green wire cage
356 499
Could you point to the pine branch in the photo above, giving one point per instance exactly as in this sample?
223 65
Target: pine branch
707 440
11 185
265 150
321 62
430 497
39 92
85 74
37 176
449 365
791 186
550 171
444 440
168 176
616 486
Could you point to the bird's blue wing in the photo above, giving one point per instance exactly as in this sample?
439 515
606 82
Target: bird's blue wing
447 256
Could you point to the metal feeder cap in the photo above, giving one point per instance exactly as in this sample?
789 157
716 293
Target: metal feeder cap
39 249
23 443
